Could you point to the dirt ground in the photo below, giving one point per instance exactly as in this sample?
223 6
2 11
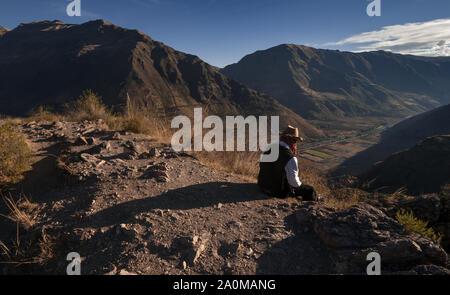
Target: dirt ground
128 204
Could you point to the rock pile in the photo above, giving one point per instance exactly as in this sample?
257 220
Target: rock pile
352 234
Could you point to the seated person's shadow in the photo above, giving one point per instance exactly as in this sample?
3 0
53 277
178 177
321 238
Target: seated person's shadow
185 198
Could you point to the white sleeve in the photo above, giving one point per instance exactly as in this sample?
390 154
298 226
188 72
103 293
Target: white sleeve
291 169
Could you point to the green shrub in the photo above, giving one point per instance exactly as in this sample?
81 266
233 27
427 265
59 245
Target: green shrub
413 224
15 155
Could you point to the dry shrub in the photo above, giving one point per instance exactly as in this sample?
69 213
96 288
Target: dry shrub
88 106
15 155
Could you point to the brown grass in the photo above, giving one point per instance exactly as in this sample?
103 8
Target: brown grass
5 250
20 211
343 198
89 107
245 164
137 121
43 114
46 246
29 251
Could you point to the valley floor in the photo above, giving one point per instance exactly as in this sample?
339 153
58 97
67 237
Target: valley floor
346 138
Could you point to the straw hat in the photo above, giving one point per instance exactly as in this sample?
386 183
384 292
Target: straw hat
291 132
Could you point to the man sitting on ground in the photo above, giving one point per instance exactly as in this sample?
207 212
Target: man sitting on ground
280 178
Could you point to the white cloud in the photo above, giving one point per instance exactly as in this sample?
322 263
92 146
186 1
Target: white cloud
430 38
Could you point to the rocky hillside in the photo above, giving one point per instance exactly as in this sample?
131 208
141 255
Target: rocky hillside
130 205
424 168
325 84
51 63
410 131
350 235
401 136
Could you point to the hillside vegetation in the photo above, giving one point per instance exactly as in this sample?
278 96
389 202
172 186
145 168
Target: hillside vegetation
422 169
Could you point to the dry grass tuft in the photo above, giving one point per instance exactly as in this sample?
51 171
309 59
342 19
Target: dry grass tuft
46 246
20 211
32 251
5 250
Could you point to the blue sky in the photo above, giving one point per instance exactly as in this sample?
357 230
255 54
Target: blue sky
223 31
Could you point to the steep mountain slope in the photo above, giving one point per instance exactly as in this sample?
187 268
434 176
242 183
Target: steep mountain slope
402 136
424 168
324 84
52 63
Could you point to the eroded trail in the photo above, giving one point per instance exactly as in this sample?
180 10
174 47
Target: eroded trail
129 204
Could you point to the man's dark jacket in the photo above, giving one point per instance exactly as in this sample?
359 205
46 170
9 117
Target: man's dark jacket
272 176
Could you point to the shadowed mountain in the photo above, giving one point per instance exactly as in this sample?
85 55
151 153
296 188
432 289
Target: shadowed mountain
327 84
424 168
51 63
400 137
